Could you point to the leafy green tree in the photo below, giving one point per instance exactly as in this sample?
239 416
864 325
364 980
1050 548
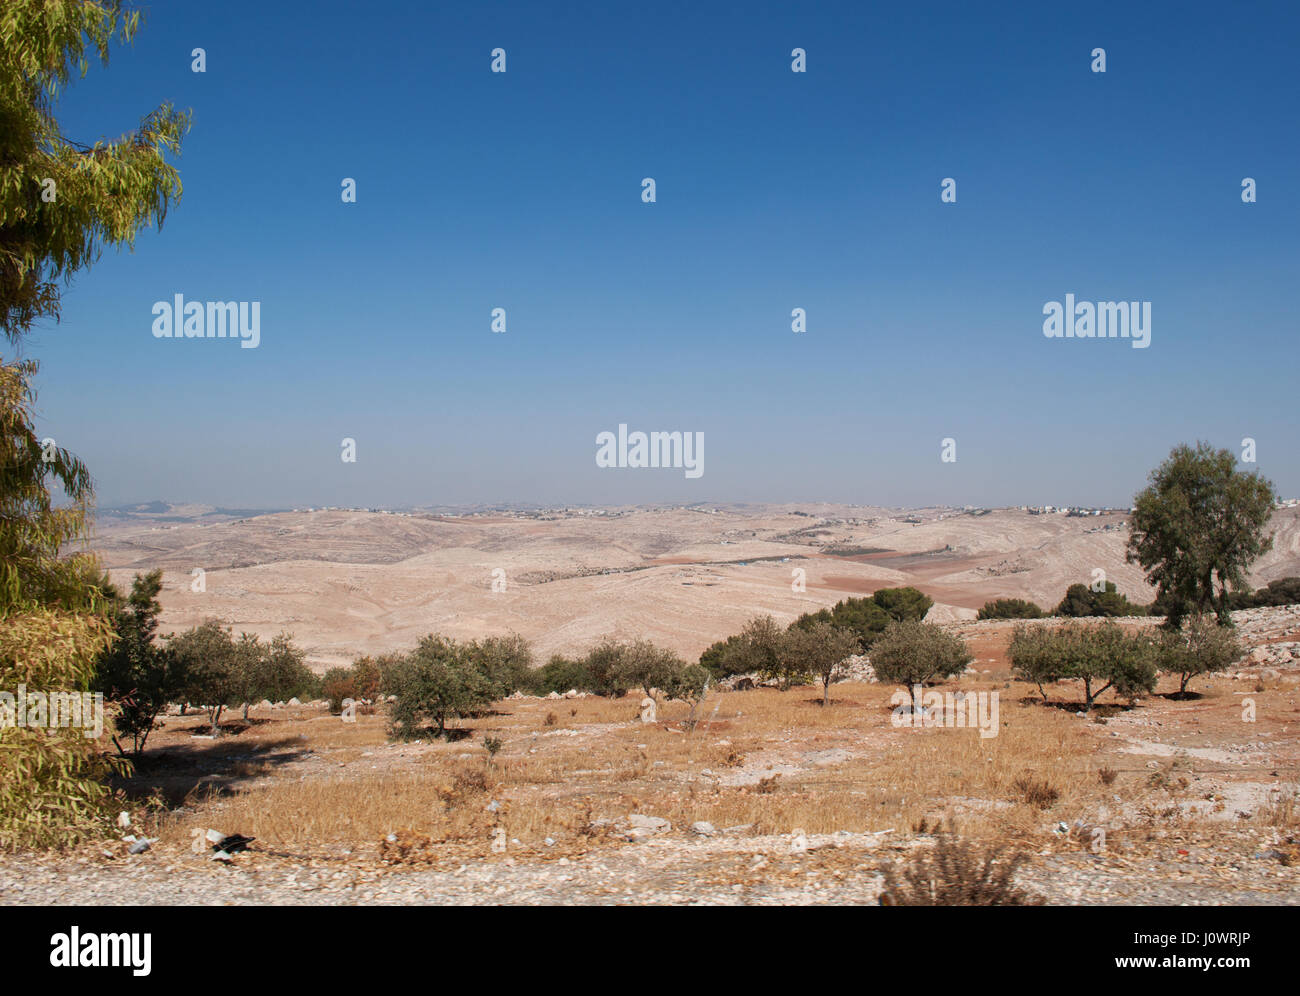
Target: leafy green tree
604 662
1010 608
863 617
916 653
61 204
1200 647
723 659
1102 657
437 681
820 649
648 667
688 683
136 673
867 618
211 662
902 604
506 660
1082 601
560 674
756 648
281 672
1197 528
1035 657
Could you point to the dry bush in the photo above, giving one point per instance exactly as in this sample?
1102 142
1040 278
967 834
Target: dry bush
1036 791
1282 807
767 785
956 873
1107 775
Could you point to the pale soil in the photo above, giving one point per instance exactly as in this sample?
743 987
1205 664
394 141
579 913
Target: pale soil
352 583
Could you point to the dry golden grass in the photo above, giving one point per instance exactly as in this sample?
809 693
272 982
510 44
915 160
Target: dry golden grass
753 760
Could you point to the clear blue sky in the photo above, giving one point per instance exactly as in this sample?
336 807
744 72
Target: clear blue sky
775 190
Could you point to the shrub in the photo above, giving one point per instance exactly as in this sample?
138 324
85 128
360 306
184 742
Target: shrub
955 873
1081 601
1200 647
506 660
916 653
643 665
437 681
559 674
1103 654
214 678
820 649
137 675
604 663
367 678
1036 792
337 684
1282 591
689 683
1011 608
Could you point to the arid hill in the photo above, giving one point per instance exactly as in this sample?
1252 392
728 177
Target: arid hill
352 582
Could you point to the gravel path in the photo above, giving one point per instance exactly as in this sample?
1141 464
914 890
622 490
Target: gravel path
664 871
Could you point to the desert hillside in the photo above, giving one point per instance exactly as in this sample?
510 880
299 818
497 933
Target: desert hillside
352 582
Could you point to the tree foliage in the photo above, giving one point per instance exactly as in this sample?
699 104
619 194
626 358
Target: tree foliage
1083 601
101 194
1102 657
1010 608
820 649
61 204
440 680
916 653
867 618
135 673
1197 528
1200 647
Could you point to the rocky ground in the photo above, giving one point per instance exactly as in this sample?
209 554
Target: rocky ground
585 804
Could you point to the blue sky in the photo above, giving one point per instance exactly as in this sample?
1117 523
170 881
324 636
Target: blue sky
775 190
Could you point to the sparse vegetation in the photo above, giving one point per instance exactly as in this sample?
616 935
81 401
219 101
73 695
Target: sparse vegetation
957 873
1037 792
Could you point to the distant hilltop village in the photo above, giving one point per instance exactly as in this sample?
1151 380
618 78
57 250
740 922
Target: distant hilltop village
563 511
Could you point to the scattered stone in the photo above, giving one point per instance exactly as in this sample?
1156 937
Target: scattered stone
703 828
